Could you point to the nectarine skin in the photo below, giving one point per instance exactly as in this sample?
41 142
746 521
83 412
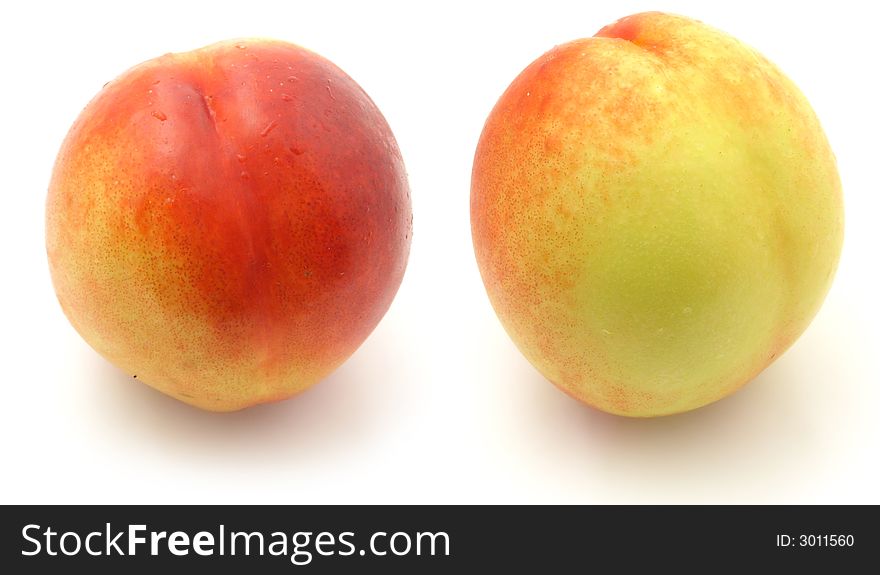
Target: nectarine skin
656 214
229 224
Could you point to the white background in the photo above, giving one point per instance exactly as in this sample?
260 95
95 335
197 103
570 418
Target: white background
437 406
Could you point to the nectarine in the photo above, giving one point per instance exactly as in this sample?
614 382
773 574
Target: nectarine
656 214
229 224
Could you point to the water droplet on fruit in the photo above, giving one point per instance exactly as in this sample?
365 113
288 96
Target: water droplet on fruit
159 115
245 176
297 151
292 78
241 46
269 127
241 158
286 97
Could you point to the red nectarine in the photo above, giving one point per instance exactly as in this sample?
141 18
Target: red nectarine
229 224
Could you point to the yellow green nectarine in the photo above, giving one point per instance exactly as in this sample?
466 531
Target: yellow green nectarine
656 214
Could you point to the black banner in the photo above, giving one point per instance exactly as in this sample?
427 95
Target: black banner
424 539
